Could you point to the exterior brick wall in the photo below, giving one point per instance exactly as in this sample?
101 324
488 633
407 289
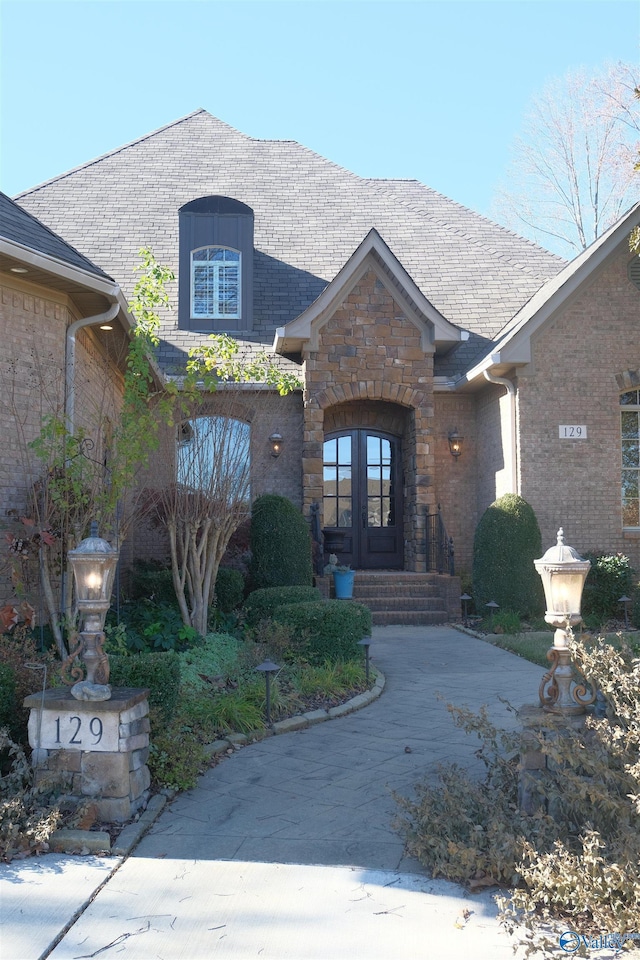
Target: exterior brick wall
456 479
368 351
266 413
34 321
578 370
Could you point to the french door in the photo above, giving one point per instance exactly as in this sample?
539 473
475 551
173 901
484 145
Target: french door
362 499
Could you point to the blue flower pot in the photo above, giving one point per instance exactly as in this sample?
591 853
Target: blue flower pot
343 583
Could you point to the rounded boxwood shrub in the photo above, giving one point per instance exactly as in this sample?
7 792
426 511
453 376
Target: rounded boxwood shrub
262 604
229 591
331 629
160 672
150 582
506 542
611 576
280 544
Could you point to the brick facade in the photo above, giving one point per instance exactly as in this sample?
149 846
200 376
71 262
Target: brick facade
581 362
34 321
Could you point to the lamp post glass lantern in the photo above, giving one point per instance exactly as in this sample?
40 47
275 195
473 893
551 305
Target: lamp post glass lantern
94 564
563 574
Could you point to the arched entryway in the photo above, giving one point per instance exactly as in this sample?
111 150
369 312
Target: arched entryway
362 498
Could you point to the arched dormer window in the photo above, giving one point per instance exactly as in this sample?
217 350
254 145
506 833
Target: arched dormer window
215 283
216 265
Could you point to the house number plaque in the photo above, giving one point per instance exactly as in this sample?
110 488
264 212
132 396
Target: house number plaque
79 731
569 431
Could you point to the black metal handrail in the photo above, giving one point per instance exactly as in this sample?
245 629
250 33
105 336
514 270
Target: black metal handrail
439 547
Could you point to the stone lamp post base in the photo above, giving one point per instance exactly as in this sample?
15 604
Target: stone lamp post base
102 746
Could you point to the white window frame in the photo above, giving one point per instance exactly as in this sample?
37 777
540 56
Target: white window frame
216 269
630 460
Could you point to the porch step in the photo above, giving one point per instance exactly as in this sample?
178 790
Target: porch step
400 597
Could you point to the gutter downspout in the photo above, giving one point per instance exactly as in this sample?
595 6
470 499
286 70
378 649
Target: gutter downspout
511 391
70 360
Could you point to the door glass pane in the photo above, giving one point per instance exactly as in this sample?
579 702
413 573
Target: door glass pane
373 449
344 449
330 512
386 451
344 512
344 481
329 481
330 451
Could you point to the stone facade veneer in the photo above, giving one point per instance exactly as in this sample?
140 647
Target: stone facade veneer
369 351
101 747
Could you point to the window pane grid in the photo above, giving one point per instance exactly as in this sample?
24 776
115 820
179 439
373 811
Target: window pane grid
215 283
630 445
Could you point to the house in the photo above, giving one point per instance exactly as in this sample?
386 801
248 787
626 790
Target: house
65 330
445 360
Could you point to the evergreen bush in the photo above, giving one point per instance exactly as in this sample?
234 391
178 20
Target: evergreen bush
152 582
280 544
229 592
160 672
610 577
506 542
330 629
262 604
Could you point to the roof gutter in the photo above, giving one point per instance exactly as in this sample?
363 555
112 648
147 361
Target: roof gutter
511 441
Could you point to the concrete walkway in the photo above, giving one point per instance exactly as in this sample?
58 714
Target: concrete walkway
287 848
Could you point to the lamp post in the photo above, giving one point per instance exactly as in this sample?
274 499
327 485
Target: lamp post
563 574
94 563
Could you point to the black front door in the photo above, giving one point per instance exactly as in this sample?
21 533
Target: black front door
362 498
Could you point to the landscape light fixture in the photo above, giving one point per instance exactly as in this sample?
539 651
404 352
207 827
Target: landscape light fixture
94 564
626 600
366 643
465 600
563 574
268 667
276 442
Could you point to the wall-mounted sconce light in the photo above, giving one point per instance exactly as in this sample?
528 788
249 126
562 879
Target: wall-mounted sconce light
455 443
276 442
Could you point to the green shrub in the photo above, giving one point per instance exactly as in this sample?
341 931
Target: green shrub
155 626
150 582
217 656
160 672
332 629
506 542
8 703
280 544
229 592
176 758
262 604
610 577
504 621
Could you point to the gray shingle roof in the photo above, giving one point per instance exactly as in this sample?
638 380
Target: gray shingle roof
22 227
310 215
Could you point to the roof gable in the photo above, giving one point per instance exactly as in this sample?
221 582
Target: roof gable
513 346
301 334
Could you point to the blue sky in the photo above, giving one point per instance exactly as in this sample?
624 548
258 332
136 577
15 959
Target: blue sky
427 90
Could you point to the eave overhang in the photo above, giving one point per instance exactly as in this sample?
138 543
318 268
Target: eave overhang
512 347
300 336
